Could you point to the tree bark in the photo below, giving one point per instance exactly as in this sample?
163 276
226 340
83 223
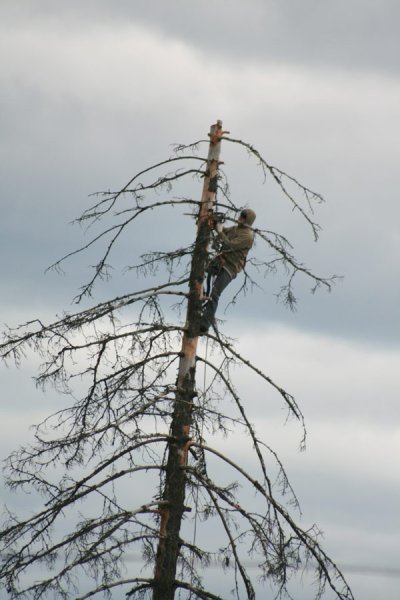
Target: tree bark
173 505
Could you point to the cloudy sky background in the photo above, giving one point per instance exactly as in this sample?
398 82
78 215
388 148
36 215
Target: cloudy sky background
93 92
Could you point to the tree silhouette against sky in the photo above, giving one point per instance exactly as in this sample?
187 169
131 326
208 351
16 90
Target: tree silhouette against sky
134 458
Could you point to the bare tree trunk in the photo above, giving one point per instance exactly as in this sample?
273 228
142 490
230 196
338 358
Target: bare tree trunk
173 505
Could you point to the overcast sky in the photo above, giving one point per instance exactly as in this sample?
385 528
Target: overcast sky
93 91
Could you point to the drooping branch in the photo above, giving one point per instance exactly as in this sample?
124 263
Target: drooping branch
245 578
257 443
110 198
199 593
114 231
143 584
280 177
288 398
19 340
75 545
324 563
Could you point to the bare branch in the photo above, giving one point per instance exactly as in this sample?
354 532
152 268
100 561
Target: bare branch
143 584
280 177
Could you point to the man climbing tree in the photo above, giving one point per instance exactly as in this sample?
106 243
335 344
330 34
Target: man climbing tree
134 453
235 245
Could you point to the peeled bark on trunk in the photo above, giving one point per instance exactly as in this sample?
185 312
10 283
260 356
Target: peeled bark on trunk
173 505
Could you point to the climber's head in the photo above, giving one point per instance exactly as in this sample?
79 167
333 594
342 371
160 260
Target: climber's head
247 217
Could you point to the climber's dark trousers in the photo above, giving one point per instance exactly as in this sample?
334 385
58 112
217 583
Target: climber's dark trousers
221 281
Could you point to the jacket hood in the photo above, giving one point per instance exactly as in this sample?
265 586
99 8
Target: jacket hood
249 216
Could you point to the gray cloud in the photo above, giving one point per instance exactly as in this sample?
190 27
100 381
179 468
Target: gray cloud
94 92
349 34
